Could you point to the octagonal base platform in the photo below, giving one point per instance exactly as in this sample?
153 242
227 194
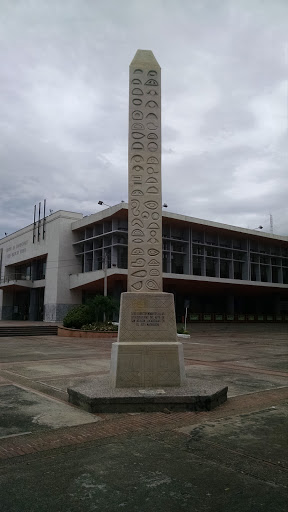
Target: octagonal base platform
98 396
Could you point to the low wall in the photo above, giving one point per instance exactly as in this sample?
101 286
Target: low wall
77 333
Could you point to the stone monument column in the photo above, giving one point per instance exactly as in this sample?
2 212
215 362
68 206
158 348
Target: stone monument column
147 353
144 164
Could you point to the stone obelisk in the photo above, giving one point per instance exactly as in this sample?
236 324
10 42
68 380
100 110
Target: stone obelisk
147 353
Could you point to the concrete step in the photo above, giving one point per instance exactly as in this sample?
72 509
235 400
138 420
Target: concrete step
29 330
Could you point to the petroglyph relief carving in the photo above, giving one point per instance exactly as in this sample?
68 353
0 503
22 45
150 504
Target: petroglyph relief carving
152 72
151 116
154 272
137 222
152 190
136 81
153 252
139 262
137 92
140 273
137 179
152 92
138 168
137 159
137 193
137 145
152 232
152 136
137 115
137 286
135 207
153 241
152 126
152 82
149 104
138 71
152 285
153 263
137 102
139 126
151 205
151 179
145 215
138 232
153 225
138 240
152 146
137 250
152 160
151 170
155 216
138 135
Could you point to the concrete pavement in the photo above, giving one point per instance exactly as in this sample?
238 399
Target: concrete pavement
233 458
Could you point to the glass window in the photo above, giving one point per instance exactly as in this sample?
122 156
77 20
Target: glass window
224 269
197 266
211 267
238 267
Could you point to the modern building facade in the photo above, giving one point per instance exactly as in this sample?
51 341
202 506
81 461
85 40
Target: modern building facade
219 272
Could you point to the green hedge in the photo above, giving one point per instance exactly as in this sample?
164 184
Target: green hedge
96 310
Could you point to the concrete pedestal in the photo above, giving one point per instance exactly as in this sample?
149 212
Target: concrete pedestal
147 353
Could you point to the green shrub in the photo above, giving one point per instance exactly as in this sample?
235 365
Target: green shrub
100 327
78 316
96 310
181 330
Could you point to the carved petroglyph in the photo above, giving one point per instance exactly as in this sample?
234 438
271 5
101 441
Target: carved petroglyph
137 115
138 71
137 145
137 240
153 252
137 92
155 216
140 126
152 285
151 205
153 225
152 170
137 250
152 146
139 262
152 160
151 116
152 190
153 263
152 92
137 179
137 168
153 240
152 126
137 286
152 82
137 232
152 72
137 158
154 272
140 273
138 135
137 222
152 136
145 215
137 193
149 104
136 81
135 207
137 102
151 179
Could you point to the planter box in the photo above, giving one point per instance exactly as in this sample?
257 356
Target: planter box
77 333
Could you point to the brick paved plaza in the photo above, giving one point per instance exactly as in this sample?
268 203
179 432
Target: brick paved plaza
55 457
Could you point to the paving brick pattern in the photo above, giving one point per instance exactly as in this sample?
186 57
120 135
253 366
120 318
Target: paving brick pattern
124 424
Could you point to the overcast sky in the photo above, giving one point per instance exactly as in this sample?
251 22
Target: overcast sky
64 106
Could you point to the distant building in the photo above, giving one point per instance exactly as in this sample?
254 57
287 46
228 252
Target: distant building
219 272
